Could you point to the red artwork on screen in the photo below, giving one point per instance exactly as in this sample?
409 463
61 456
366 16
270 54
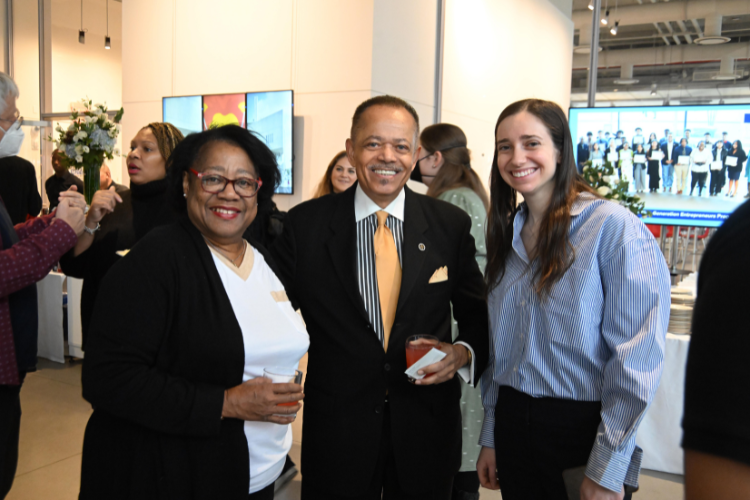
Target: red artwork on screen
220 110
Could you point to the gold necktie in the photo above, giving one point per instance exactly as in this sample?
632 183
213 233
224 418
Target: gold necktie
389 274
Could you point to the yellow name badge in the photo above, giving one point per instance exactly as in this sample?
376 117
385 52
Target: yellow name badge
280 296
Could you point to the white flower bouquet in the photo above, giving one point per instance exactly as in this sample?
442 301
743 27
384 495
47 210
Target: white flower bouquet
87 141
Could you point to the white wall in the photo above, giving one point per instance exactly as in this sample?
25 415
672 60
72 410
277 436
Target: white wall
497 52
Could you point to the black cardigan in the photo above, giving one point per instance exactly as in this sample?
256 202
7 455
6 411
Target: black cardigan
156 377
143 208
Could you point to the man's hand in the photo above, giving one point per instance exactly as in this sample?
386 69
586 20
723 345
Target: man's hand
592 491
71 215
487 469
75 199
456 357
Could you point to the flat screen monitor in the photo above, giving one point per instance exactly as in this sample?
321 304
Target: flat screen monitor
269 115
727 123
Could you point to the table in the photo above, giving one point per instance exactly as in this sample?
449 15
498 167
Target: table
51 344
660 432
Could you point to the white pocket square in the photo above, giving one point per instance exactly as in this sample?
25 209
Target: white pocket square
440 275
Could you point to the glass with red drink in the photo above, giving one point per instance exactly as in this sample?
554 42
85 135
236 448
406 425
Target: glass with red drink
280 375
417 346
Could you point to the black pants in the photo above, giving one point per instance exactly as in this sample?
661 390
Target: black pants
700 178
10 424
384 483
264 494
717 181
536 439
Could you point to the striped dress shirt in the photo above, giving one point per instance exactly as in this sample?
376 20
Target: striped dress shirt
599 336
368 278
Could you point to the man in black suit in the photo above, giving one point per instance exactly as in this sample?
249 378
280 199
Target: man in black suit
582 155
18 188
368 431
60 181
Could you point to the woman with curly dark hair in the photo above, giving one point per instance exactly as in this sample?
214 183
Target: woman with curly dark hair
182 408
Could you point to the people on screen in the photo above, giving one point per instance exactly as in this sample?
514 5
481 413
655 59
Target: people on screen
735 160
682 165
718 168
700 159
668 162
639 168
654 165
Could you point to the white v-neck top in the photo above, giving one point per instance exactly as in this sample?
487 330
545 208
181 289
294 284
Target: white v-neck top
273 335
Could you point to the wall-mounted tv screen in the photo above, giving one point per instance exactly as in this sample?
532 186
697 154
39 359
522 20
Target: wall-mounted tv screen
692 176
267 114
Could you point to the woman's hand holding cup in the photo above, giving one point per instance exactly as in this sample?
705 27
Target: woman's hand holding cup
258 399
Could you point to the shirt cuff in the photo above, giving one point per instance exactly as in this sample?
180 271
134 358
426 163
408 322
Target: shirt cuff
487 436
467 372
607 468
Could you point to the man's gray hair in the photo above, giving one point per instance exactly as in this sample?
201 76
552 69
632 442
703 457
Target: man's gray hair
7 87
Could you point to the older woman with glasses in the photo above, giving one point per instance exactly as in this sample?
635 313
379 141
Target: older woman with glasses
181 405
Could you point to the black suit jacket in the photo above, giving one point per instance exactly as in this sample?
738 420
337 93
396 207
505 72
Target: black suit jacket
164 346
349 374
18 188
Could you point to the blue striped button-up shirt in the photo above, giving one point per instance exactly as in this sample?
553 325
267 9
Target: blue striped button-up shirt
599 336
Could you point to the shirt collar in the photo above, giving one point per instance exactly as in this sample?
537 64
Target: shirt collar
365 207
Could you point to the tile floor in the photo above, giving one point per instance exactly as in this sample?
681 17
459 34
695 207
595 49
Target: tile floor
55 416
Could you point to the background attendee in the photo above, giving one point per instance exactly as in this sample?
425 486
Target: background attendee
446 168
639 168
717 381
653 166
28 252
600 139
106 182
115 221
652 138
700 159
582 155
682 165
339 176
688 139
360 439
707 139
572 374
60 181
719 154
200 314
726 141
608 139
733 172
667 163
18 188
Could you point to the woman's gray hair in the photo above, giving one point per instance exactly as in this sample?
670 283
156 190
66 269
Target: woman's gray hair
7 87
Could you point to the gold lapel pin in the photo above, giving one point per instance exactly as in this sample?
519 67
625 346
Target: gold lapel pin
422 247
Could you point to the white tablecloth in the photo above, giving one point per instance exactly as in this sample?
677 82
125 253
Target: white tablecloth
660 432
51 344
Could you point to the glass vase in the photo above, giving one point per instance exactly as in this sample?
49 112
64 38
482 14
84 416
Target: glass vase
91 179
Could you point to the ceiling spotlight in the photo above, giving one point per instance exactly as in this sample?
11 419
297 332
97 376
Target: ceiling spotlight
81 36
653 89
605 19
107 44
591 4
614 28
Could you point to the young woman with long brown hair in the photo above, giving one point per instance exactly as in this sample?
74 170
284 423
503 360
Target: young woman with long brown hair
445 167
578 297
339 176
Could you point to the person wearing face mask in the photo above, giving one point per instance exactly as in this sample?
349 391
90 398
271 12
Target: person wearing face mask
339 176
445 167
115 222
28 251
60 181
18 187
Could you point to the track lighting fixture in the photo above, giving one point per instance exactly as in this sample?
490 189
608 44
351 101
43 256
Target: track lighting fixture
591 4
81 36
605 19
614 28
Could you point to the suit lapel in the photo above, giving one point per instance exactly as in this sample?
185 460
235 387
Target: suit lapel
342 247
414 247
